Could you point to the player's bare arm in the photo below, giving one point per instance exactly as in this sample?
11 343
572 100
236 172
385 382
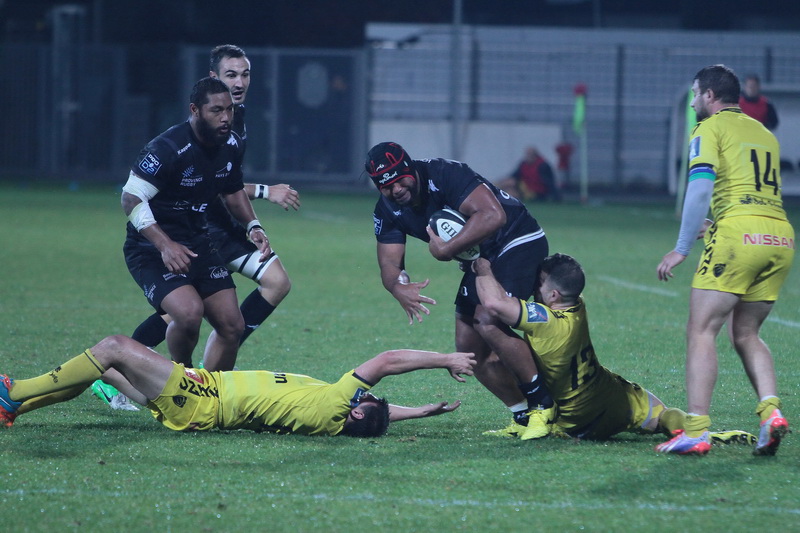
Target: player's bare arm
240 207
391 262
176 256
492 295
395 362
281 194
399 412
485 216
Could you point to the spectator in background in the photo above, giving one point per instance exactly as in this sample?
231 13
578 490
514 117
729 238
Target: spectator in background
757 105
533 179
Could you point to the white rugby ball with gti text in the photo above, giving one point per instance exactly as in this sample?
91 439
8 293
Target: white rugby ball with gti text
447 223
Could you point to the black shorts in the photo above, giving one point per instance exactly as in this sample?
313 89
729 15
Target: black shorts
517 270
231 245
207 273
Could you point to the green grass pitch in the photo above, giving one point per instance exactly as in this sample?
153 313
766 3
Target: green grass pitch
79 466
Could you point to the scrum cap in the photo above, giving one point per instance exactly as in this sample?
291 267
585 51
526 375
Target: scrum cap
387 162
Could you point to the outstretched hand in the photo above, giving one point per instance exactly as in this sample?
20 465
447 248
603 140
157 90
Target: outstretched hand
285 196
461 363
408 294
434 409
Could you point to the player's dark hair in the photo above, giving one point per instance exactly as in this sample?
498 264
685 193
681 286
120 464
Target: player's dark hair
205 87
374 423
566 274
753 77
720 79
221 52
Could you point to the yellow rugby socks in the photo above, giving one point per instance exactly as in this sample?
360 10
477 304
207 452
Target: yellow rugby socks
766 406
80 370
696 425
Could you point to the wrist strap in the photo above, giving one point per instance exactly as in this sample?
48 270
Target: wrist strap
254 224
262 191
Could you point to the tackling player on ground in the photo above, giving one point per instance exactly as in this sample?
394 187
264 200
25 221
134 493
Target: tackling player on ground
734 166
186 399
591 401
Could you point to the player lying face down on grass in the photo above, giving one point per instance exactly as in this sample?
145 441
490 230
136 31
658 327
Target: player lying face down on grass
187 399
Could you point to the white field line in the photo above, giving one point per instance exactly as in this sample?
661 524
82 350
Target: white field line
638 287
665 292
516 505
782 322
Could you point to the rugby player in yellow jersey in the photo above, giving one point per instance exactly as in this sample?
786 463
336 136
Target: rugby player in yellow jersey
734 166
186 399
591 401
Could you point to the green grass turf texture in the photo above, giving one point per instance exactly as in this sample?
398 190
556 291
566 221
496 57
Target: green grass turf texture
79 466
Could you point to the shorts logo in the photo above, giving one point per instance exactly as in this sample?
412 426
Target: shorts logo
764 239
719 268
180 401
192 387
219 273
536 312
378 224
191 374
694 148
150 164
149 292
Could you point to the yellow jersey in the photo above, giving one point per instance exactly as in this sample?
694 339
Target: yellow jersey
742 157
565 357
286 403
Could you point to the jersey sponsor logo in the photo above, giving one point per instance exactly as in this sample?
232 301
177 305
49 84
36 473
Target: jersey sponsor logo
199 208
224 172
694 148
356 399
219 273
197 389
761 239
184 148
150 164
536 312
191 182
378 224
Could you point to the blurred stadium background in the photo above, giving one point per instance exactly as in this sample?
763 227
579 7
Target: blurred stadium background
89 82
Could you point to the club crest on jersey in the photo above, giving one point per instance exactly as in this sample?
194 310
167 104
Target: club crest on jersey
536 312
232 141
694 148
150 164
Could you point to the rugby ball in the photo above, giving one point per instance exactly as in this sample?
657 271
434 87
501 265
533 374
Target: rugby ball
447 223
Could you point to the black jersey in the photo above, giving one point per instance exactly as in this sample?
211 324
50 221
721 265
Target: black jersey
445 183
219 218
188 177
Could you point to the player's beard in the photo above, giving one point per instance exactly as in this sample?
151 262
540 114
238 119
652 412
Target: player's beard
210 134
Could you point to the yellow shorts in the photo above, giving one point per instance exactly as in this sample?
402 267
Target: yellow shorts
746 255
623 407
189 401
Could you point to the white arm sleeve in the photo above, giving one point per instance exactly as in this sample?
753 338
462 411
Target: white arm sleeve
136 186
141 215
695 208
